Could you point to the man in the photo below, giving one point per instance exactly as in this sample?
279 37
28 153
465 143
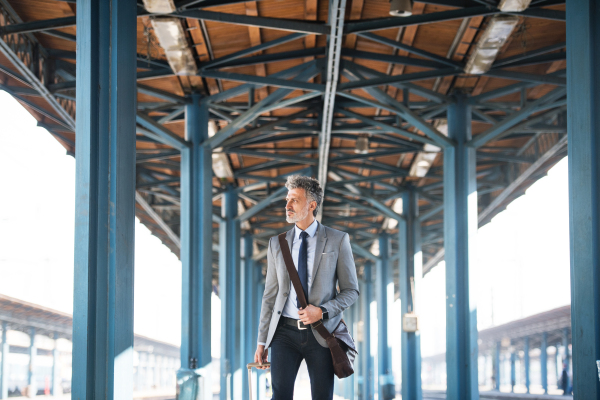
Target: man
324 260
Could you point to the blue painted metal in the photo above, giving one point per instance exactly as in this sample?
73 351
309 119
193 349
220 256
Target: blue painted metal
368 384
385 296
565 344
55 368
105 200
395 22
229 292
261 205
247 307
411 269
253 49
497 130
513 374
526 363
4 365
460 228
158 132
583 91
497 374
544 362
272 23
263 80
32 361
196 241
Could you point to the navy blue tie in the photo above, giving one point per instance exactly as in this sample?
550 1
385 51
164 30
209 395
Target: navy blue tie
303 266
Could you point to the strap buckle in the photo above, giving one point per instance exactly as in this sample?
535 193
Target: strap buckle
300 327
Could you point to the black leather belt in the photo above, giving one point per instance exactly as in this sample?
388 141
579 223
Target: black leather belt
296 323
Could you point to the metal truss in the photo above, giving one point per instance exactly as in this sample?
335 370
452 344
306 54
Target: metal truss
354 202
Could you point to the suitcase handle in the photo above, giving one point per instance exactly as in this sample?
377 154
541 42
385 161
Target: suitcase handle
254 365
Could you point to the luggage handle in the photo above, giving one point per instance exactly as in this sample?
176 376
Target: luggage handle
254 365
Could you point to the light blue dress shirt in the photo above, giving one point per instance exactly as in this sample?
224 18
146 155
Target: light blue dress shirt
290 310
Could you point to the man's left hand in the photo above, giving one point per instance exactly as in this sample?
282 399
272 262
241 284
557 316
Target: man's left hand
310 314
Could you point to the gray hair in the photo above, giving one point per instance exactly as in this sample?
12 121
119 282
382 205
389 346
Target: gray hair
311 187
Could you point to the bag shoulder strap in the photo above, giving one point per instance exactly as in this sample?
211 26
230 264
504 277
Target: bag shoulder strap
295 278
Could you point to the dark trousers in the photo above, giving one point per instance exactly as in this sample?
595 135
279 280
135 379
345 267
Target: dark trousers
289 347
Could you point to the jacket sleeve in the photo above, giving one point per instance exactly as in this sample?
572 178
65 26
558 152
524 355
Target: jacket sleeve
347 280
269 296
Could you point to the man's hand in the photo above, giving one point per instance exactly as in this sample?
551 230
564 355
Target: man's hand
310 314
261 355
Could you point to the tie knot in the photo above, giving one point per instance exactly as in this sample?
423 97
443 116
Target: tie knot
303 235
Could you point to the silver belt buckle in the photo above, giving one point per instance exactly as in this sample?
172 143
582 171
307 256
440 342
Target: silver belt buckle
299 327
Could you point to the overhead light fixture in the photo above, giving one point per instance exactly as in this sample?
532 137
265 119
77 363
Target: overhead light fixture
362 145
493 38
221 166
172 39
160 6
401 8
513 5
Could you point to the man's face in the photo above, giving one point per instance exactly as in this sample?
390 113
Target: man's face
297 206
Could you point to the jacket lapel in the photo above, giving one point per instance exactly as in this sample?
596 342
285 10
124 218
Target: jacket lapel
290 239
321 240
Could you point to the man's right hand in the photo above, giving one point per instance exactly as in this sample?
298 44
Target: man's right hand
261 355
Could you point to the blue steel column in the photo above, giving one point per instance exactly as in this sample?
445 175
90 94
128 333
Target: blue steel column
583 121
526 362
55 367
368 369
544 361
513 374
411 269
196 242
4 365
497 365
30 371
385 296
565 343
360 361
229 285
248 287
105 200
460 228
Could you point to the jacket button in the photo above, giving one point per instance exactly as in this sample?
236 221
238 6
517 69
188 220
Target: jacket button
285 294
278 312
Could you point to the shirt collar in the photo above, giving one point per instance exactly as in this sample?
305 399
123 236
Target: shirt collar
311 230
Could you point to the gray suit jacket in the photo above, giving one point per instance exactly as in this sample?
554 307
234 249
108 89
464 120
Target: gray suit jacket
333 266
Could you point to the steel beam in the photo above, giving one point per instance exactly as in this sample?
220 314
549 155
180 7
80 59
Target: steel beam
420 19
337 10
385 298
367 360
5 349
460 228
583 121
525 112
410 272
196 242
276 195
56 381
513 373
105 200
263 22
229 292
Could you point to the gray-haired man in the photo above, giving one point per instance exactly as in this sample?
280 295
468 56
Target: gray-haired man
324 261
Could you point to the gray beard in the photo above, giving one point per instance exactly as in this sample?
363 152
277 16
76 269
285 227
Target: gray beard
297 217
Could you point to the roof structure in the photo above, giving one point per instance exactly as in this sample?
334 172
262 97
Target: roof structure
334 89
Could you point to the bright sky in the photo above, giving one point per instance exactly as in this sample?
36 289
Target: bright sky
523 254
